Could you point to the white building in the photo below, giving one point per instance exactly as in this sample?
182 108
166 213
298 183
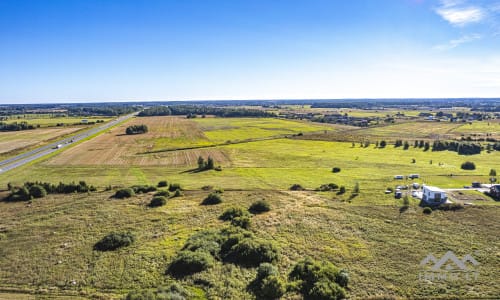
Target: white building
433 195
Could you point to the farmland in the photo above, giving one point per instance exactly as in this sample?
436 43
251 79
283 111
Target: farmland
368 234
19 140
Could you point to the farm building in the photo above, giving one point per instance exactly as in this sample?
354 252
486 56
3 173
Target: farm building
433 195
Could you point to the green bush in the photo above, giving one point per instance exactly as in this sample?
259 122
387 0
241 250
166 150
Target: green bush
177 193
174 186
37 191
319 280
341 190
243 222
427 210
208 241
124 193
232 213
336 169
296 187
259 207
325 290
114 241
328 187
189 262
141 189
162 193
468 165
162 183
212 199
174 291
158 201
267 284
252 252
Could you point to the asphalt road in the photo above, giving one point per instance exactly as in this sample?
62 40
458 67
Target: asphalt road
24 158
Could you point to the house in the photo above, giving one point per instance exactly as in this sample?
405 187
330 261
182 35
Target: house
495 191
433 195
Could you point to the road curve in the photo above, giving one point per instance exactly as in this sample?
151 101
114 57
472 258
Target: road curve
26 157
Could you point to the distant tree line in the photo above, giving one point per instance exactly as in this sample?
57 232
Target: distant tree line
177 110
461 148
103 110
15 126
136 129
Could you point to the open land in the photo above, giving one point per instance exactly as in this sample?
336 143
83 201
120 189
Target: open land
46 246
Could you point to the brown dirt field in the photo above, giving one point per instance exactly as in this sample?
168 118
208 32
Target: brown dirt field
13 140
116 148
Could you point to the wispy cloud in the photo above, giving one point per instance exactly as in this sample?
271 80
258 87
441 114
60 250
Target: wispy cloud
457 42
461 16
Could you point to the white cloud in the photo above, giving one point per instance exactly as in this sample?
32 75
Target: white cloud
457 42
461 16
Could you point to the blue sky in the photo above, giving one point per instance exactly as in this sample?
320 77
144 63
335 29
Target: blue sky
119 50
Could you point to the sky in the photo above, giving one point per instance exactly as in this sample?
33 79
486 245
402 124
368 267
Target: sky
124 50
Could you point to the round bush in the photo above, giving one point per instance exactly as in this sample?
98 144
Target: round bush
158 201
336 170
114 241
271 287
162 193
177 193
427 210
212 199
296 187
259 207
243 222
124 193
188 262
174 186
252 252
232 213
162 183
468 165
37 191
326 290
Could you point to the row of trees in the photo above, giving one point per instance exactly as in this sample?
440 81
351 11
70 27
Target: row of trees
461 148
15 126
37 189
191 110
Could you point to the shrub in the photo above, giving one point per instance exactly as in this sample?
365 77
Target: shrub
19 194
296 187
232 213
341 190
208 241
177 193
260 206
114 241
468 165
162 183
140 189
189 262
174 186
267 284
328 187
427 210
243 222
162 193
336 169
325 290
173 291
136 129
319 280
451 206
252 252
124 193
37 191
212 199
158 201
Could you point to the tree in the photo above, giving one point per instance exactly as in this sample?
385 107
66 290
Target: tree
406 145
493 173
201 163
382 144
210 163
355 190
37 191
468 165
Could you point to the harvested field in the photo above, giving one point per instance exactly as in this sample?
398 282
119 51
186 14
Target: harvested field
10 141
116 148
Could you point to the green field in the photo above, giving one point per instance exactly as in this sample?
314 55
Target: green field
48 121
46 246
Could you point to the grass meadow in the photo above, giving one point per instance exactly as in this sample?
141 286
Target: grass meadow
46 246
